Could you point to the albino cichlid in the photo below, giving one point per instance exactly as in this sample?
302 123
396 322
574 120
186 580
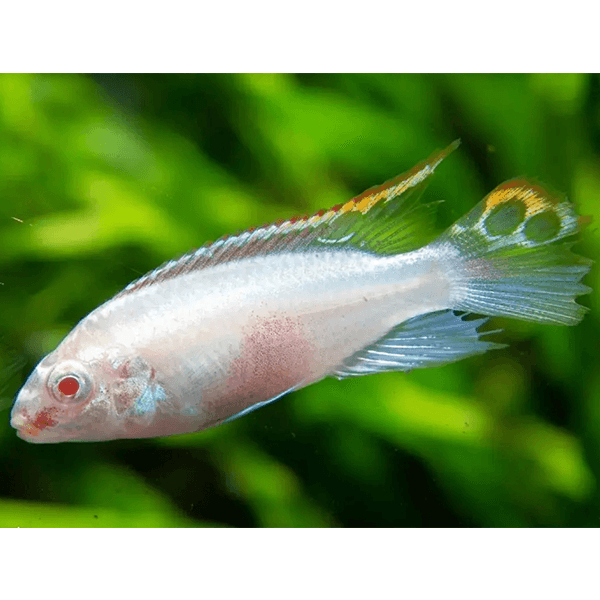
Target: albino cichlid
350 291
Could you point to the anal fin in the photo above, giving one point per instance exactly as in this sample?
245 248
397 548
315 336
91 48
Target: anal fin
258 405
429 340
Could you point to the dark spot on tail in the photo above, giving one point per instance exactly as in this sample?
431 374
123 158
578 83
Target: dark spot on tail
505 218
542 227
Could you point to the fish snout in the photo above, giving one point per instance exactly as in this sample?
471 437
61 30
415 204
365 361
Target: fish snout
29 417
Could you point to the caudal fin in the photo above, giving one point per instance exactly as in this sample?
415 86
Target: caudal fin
508 257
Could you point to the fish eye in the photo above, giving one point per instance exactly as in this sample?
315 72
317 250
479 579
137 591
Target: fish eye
70 382
68 386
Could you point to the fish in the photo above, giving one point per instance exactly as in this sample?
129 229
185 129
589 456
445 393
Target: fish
359 289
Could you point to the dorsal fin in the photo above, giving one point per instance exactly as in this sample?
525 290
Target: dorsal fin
385 219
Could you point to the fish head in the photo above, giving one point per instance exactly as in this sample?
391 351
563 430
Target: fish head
97 396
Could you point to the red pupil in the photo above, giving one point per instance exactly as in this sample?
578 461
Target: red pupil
68 386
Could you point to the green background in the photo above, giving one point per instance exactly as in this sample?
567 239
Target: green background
102 178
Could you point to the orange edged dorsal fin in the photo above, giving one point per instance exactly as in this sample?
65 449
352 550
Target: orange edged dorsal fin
395 187
386 219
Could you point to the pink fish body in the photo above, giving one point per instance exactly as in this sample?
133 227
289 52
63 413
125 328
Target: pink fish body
350 291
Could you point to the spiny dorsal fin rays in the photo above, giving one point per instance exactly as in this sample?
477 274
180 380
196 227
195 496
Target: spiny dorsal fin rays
397 186
370 222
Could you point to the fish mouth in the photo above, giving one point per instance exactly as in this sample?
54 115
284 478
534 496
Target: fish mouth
29 433
27 430
44 427
37 429
22 425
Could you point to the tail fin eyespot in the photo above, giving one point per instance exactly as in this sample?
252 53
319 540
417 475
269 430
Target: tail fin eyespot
542 227
504 218
519 213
